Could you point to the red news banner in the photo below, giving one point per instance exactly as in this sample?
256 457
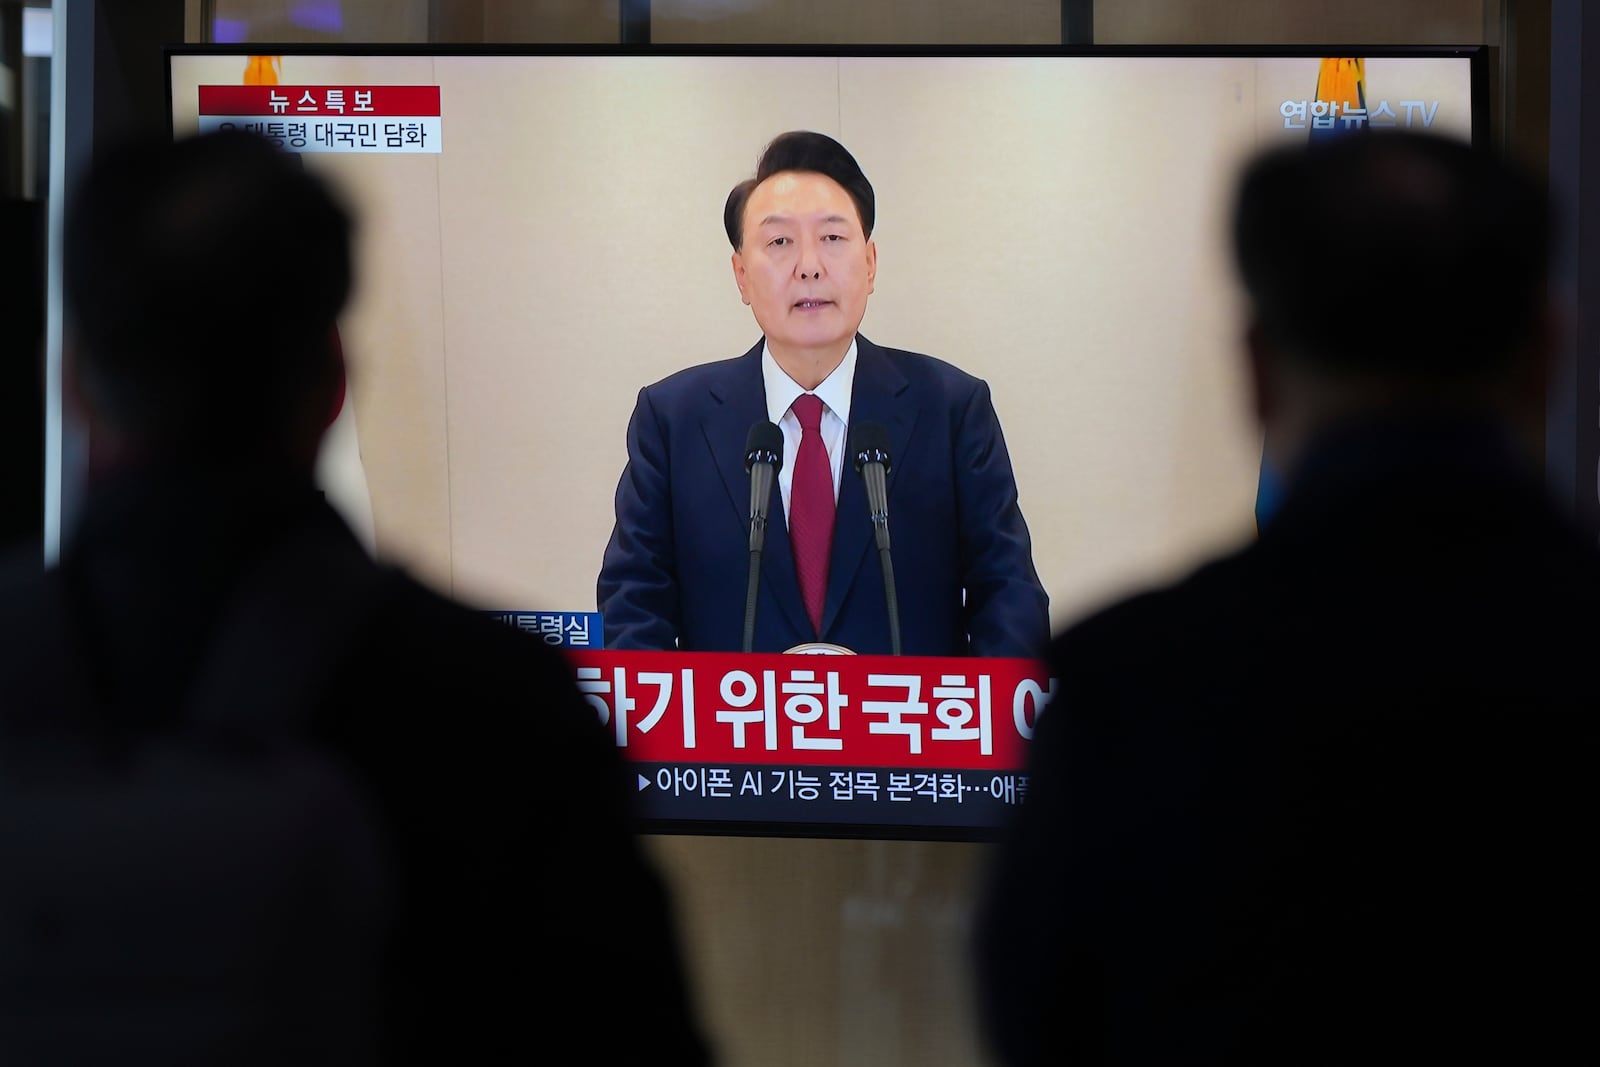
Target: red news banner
900 741
834 711
329 118
867 711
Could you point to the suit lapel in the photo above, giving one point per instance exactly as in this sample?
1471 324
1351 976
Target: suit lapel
738 401
875 396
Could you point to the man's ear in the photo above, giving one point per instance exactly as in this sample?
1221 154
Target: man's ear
738 276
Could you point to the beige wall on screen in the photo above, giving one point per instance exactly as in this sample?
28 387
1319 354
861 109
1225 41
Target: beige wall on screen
1056 229
1076 270
1051 228
1081 270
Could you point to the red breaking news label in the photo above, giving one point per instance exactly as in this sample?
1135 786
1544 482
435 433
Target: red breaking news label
409 101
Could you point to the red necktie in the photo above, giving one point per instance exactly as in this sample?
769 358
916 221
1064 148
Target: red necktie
811 508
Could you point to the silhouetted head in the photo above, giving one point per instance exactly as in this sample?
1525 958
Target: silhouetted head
1393 269
807 152
203 279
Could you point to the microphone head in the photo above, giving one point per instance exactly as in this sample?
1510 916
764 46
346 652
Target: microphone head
869 443
763 444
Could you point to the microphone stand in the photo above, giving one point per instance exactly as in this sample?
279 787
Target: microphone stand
762 466
874 472
752 585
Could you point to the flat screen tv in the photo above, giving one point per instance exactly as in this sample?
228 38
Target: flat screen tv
540 235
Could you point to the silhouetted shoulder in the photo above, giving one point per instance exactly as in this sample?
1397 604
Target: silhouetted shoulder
1146 626
477 668
21 570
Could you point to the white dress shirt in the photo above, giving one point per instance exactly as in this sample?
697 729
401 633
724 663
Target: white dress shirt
834 392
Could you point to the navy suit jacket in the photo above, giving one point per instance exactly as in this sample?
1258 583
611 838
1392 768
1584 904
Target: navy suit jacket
674 573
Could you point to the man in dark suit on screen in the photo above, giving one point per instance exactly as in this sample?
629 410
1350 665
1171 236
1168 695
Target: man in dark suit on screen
673 573
1327 800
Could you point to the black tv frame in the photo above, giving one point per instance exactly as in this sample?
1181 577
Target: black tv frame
1481 125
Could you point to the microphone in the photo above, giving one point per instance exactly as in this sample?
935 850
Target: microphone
869 448
763 455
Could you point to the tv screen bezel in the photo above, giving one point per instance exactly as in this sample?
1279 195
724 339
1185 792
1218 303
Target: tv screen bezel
1481 124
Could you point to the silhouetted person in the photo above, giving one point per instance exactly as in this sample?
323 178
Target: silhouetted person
263 800
1328 799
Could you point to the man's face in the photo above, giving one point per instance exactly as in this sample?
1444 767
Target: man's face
805 268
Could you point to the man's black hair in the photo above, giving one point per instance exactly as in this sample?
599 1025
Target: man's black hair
202 280
1394 254
802 150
